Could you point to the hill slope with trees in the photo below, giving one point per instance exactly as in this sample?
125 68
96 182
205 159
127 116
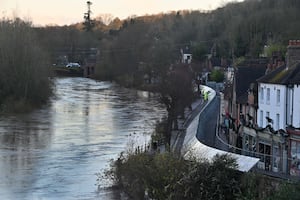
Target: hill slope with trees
149 44
235 30
140 49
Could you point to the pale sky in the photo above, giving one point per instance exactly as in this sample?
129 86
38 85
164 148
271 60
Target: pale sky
65 12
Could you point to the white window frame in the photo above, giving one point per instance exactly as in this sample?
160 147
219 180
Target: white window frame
278 97
261 95
267 115
276 158
268 95
277 121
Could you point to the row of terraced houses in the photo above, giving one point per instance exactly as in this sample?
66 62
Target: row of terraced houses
261 111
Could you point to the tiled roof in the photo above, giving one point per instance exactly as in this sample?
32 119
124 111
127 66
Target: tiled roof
242 98
246 75
186 50
283 75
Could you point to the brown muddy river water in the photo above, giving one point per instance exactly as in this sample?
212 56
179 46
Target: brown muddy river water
55 152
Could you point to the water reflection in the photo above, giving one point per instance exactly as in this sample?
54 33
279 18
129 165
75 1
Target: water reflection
21 138
54 153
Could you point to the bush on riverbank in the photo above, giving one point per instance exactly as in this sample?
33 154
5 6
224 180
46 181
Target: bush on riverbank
24 66
161 176
167 176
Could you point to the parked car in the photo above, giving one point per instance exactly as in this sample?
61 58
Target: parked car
73 65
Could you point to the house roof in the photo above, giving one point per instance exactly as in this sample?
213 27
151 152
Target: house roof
246 75
186 50
283 75
243 98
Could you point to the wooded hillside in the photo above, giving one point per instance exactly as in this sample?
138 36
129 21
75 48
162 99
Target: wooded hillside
152 43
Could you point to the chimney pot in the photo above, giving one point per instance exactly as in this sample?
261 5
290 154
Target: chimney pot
294 42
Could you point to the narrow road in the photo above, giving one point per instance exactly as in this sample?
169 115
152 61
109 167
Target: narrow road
208 122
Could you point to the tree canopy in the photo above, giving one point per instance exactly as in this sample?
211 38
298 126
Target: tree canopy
238 29
24 66
165 176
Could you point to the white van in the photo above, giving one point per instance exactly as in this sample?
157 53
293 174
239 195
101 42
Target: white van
75 65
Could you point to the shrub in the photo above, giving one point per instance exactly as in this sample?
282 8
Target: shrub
217 76
167 176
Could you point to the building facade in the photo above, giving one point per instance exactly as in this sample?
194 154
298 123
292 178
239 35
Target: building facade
275 135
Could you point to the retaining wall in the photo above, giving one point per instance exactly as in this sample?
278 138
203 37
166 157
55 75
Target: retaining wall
195 147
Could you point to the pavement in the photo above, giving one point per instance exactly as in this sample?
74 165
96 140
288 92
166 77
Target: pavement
177 136
213 136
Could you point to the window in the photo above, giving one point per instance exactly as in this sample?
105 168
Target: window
249 145
264 155
262 94
277 121
267 114
261 149
254 144
295 156
278 97
276 159
268 95
261 118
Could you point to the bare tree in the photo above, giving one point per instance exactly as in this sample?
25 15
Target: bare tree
105 18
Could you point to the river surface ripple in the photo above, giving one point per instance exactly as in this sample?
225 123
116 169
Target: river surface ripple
55 152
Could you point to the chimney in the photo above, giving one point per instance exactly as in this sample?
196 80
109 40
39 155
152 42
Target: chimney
293 53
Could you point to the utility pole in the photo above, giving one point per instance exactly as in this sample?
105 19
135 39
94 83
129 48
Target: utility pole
88 23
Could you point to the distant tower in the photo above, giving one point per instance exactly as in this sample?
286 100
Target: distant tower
88 23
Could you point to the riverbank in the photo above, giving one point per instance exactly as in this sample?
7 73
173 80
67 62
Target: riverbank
68 72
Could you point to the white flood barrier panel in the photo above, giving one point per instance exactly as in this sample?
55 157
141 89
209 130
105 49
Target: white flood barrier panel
192 147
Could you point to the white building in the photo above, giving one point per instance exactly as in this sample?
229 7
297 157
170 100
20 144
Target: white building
272 105
295 117
186 55
279 93
279 109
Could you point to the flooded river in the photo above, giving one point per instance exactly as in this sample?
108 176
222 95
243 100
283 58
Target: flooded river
55 152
